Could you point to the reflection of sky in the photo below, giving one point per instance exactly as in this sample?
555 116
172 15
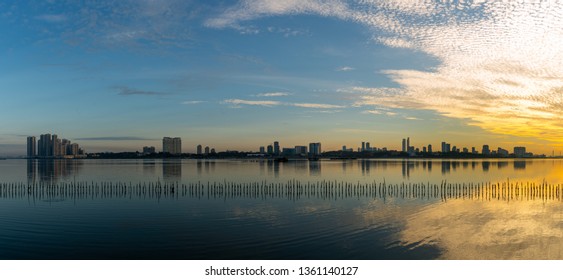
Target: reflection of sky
367 171
465 229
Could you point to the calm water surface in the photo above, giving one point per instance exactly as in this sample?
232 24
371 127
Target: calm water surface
424 210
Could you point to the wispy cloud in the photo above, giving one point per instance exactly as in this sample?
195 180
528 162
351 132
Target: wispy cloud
270 103
316 105
273 94
267 103
345 69
252 9
192 102
122 90
113 138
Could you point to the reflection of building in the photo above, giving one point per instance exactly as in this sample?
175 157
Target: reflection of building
314 168
172 169
52 170
365 167
519 164
486 165
172 146
446 167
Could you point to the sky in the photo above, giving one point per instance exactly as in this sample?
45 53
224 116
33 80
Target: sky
237 75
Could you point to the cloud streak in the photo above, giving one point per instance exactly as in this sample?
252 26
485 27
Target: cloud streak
113 138
127 91
271 103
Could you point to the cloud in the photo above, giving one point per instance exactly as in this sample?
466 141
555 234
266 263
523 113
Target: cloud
345 69
317 106
267 103
122 90
273 94
191 102
499 61
253 9
113 138
270 103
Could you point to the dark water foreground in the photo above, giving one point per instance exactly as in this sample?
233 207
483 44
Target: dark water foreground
284 220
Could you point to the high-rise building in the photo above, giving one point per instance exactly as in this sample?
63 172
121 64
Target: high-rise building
368 148
404 145
270 149
520 151
31 147
172 146
502 152
199 150
429 148
262 150
206 150
75 149
146 150
486 150
45 148
473 150
315 149
465 150
301 150
276 148
363 146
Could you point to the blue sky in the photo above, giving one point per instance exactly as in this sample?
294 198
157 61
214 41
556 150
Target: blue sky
119 75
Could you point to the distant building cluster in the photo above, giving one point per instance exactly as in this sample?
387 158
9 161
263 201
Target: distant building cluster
204 151
51 146
447 148
275 149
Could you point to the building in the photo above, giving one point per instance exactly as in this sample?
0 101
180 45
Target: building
301 150
44 146
74 150
404 145
31 147
363 146
486 150
502 152
288 151
473 150
465 150
430 148
368 148
315 149
520 151
199 150
270 149
206 150
262 150
276 148
146 150
172 146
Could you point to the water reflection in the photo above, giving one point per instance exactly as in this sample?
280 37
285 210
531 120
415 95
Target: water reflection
314 168
172 170
52 170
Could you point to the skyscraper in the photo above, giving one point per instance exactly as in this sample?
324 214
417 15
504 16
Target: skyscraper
199 149
31 147
520 151
172 146
430 148
270 149
486 150
404 145
262 150
363 146
315 149
45 148
276 148
206 150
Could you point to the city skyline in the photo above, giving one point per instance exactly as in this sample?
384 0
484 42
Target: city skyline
120 76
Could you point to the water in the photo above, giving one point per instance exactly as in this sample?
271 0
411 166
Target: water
234 209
